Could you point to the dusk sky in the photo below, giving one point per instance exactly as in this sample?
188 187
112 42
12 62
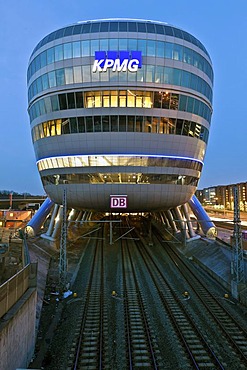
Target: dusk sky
221 25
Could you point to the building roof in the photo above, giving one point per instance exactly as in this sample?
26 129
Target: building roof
120 25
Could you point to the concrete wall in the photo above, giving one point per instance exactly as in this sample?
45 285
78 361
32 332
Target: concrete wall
17 332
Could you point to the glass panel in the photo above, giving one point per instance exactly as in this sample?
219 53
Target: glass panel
147 99
139 124
183 103
142 46
79 99
177 52
179 127
114 123
97 101
62 101
113 26
76 47
105 123
131 123
122 98
130 99
85 48
113 44
122 123
94 46
165 100
150 48
43 61
106 99
86 74
103 44
185 79
104 26
171 126
69 76
139 99
160 51
147 124
168 50
48 107
45 82
50 56
190 104
81 124
95 27
77 75
114 99
141 27
186 128
157 99
122 26
58 126
60 78
65 126
89 124
159 74
132 44
150 73
39 85
67 50
123 44
52 79
155 125
58 53
168 74
97 124
177 76
132 26
73 126
54 103
71 100
174 101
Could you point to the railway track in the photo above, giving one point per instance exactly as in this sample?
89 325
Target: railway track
88 351
196 347
233 335
140 343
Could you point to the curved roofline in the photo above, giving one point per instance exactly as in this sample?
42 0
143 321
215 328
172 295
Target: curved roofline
123 19
165 24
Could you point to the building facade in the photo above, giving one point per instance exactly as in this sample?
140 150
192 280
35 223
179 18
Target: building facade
120 107
222 196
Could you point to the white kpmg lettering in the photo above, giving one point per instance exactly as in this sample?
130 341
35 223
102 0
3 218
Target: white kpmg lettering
96 65
131 65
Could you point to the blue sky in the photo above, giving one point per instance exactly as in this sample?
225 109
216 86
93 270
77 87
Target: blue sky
220 25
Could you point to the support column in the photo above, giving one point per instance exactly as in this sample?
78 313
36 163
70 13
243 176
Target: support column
170 220
58 222
181 222
52 220
186 214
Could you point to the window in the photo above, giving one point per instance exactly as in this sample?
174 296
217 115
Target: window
76 49
67 50
58 53
62 101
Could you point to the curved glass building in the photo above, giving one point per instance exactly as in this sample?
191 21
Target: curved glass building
120 108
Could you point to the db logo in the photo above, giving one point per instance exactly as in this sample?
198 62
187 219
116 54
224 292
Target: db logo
118 201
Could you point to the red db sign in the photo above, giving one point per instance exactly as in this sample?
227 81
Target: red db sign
118 201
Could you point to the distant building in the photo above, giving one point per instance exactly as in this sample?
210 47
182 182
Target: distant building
222 196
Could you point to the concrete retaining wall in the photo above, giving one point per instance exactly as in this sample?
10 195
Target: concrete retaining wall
17 332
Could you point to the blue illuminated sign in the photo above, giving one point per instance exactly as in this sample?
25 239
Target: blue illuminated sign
118 61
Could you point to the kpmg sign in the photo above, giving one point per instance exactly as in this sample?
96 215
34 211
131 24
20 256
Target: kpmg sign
118 61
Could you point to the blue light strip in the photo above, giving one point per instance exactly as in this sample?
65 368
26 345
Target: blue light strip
123 155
